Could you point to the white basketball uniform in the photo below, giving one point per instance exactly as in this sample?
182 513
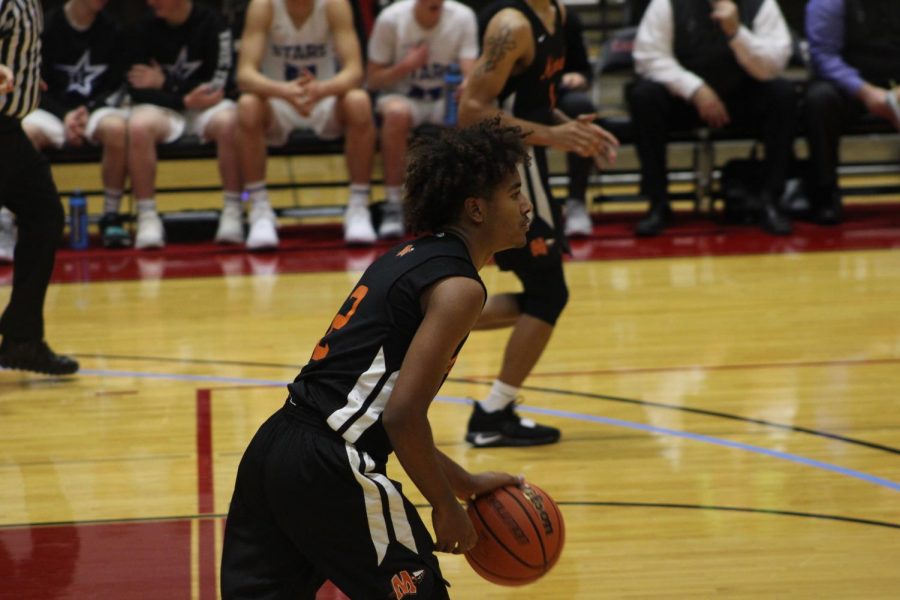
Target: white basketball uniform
290 51
396 32
54 129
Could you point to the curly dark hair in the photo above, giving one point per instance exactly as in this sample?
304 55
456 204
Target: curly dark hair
446 168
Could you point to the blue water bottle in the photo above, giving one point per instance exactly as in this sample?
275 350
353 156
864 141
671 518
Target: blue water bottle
78 221
452 80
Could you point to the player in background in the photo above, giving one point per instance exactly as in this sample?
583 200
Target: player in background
413 45
301 67
520 68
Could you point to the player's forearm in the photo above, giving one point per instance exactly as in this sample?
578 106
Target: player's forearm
414 446
536 134
251 81
387 76
460 479
344 81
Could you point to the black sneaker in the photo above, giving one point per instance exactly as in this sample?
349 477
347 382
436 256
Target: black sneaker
506 428
35 355
112 233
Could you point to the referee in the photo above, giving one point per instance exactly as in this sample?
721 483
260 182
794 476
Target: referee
26 189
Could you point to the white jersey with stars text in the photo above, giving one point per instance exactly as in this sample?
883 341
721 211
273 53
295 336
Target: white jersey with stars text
291 49
396 32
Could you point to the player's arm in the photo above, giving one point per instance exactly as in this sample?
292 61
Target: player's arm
507 48
451 308
346 45
253 46
383 70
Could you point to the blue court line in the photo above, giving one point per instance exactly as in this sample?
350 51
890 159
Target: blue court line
891 485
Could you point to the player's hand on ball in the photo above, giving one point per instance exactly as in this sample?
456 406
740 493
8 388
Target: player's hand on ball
482 483
453 529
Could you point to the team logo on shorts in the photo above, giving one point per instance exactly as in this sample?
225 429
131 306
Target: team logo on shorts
404 584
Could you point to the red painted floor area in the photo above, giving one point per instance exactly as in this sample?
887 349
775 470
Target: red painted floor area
122 561
320 248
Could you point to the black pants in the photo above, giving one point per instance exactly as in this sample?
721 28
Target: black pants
574 103
27 189
308 507
768 107
829 111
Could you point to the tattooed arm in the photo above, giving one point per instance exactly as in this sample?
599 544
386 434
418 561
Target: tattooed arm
509 49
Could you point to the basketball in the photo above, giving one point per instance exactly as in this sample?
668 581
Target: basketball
520 534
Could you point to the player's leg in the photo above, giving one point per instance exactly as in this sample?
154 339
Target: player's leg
148 126
533 315
219 124
397 121
261 121
353 113
108 127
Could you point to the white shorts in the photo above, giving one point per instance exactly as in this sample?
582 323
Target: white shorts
322 121
188 122
53 128
422 111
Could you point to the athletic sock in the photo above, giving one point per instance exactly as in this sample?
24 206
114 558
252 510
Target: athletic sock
500 397
359 194
145 205
394 193
258 193
112 200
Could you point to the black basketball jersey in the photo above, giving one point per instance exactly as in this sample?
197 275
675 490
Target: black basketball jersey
352 371
531 94
196 52
81 67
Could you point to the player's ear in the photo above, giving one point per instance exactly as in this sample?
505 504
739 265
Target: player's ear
474 209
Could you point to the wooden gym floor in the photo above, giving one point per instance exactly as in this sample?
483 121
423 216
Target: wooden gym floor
729 404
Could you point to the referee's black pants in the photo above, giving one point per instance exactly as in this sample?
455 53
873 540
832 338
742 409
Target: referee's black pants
27 189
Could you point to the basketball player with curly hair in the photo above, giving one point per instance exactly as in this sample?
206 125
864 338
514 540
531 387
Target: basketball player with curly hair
312 499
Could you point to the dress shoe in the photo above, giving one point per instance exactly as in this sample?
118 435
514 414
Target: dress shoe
35 355
829 212
773 221
656 220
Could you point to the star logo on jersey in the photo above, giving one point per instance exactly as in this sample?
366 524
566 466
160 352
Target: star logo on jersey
183 68
82 74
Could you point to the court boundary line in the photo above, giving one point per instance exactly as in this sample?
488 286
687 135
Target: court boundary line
572 503
467 380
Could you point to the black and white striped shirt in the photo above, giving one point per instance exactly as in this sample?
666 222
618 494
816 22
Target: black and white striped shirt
21 22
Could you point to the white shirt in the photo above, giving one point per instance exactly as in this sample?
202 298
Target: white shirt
396 31
763 51
290 50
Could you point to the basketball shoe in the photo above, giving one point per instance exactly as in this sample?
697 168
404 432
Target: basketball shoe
231 225
358 228
578 221
506 428
112 234
150 232
35 355
263 233
391 225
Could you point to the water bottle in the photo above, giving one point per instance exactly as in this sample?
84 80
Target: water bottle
452 79
78 221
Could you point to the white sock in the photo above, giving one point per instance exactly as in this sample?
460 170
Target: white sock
145 205
232 198
258 193
359 194
500 397
394 193
112 199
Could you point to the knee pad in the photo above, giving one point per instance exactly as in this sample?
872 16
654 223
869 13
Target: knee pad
545 297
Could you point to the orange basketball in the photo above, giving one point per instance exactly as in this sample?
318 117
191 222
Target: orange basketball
520 534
